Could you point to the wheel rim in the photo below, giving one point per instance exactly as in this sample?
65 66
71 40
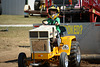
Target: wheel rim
78 55
66 61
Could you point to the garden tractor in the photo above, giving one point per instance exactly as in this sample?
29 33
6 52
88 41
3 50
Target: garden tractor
47 48
80 21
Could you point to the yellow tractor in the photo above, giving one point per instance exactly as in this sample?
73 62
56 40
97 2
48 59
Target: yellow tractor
47 48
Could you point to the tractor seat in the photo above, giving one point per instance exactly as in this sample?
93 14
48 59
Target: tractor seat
63 31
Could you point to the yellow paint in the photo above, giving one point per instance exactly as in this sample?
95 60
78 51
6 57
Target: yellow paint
74 29
46 55
93 10
56 50
42 6
66 41
43 55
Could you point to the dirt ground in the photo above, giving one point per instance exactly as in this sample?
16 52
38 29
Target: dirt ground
16 40
9 58
19 19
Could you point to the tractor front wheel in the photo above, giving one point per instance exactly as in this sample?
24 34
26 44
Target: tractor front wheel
22 60
63 60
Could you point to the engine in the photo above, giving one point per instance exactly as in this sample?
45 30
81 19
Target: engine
41 37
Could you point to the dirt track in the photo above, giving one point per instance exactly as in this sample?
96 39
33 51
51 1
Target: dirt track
9 58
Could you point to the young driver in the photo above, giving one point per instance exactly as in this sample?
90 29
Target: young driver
53 19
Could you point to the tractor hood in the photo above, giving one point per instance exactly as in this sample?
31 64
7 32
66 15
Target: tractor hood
44 31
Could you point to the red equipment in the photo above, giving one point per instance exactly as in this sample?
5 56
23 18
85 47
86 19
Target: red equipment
48 4
94 4
94 8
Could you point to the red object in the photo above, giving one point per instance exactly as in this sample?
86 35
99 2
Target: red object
92 17
97 13
79 2
50 2
70 2
95 18
97 24
46 2
36 26
94 4
39 55
94 8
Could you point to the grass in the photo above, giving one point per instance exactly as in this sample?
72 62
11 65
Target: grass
14 37
15 32
19 19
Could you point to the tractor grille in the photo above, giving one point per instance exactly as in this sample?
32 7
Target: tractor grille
43 34
39 45
33 34
40 34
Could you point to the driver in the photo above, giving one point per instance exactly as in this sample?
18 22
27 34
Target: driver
53 13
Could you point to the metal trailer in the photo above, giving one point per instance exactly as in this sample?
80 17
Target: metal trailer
88 34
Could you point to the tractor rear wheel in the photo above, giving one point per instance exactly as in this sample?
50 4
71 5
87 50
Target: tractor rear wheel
21 60
63 60
75 55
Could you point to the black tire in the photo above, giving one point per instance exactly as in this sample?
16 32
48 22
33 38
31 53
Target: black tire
26 16
63 61
75 55
21 60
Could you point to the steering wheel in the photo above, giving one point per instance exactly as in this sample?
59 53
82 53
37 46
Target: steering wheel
46 23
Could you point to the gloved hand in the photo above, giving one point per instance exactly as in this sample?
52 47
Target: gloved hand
56 23
45 22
